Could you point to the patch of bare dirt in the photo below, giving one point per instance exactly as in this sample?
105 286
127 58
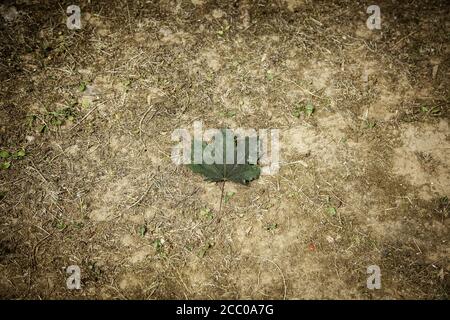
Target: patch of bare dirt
363 119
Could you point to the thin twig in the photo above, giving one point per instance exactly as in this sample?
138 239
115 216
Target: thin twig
35 169
185 198
145 193
303 163
85 116
143 117
305 90
36 248
279 269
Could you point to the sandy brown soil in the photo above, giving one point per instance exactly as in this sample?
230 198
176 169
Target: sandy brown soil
365 179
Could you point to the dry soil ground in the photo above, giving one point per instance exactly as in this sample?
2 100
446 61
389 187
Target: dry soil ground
365 178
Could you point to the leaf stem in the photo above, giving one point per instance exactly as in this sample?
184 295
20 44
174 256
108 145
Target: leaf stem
221 197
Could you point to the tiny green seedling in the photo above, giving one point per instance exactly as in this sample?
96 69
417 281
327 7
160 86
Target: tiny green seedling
20 154
127 83
8 156
370 124
95 269
228 196
307 109
85 103
158 244
207 213
433 111
228 113
204 249
5 165
30 120
142 230
82 87
332 211
61 225
78 224
53 118
223 30
297 111
4 154
271 226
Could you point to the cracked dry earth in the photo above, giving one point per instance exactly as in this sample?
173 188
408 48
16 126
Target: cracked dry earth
364 179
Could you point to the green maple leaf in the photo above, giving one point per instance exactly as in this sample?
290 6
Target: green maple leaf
241 173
